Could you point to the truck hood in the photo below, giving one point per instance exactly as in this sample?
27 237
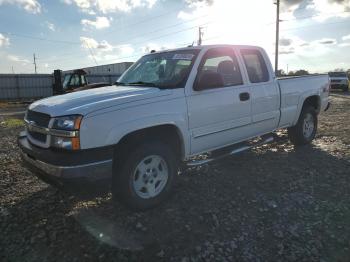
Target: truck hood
87 101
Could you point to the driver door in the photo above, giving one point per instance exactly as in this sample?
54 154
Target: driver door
220 115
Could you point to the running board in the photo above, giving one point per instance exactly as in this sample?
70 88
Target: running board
234 151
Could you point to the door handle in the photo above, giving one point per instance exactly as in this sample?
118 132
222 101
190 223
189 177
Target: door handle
244 96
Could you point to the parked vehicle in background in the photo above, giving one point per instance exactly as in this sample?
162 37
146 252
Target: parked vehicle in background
88 77
167 109
339 80
76 81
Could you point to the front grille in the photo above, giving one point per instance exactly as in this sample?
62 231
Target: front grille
40 119
37 136
336 81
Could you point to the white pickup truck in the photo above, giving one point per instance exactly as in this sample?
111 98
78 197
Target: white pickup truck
165 110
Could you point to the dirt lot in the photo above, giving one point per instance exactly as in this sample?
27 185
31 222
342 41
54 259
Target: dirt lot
275 203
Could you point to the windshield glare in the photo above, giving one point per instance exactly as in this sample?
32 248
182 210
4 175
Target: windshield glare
166 69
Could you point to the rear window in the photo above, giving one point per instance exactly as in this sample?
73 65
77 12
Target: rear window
256 67
337 74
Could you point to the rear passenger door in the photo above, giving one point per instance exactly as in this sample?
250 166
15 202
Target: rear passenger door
265 97
219 115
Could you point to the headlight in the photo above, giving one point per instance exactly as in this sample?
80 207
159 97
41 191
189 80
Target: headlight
67 122
65 132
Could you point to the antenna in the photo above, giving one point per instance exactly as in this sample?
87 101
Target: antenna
200 35
34 63
277 34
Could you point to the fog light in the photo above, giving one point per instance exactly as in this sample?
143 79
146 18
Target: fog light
71 143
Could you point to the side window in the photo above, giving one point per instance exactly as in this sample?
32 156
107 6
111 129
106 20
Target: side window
222 61
256 66
82 78
74 81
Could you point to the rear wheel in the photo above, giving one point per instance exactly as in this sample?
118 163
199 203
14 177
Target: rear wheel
145 177
305 129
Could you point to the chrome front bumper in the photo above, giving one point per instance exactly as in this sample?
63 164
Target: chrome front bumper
92 171
90 165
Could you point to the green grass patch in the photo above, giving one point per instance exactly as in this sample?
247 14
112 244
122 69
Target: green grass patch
12 123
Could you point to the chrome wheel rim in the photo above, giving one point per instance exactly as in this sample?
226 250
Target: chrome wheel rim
150 176
308 125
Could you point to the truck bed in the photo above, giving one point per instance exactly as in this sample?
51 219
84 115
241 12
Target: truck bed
293 91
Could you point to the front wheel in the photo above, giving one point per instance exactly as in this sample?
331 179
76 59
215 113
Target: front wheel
305 129
145 177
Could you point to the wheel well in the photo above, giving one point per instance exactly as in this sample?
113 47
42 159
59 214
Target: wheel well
167 133
313 101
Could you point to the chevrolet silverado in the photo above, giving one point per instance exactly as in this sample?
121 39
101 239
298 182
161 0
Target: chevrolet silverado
168 109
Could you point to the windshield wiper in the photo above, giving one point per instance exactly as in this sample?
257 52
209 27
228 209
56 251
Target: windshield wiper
141 83
119 83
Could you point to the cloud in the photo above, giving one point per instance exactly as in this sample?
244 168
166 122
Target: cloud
31 6
110 6
100 23
327 41
346 37
287 46
344 3
196 3
287 51
90 43
120 52
287 5
18 59
103 46
4 41
152 46
297 46
50 26
104 51
285 42
344 44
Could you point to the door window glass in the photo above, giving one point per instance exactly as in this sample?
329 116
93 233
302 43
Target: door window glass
224 62
256 66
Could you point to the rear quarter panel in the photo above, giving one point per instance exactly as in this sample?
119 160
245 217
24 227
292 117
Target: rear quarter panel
294 91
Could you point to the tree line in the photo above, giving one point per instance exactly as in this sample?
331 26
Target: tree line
302 72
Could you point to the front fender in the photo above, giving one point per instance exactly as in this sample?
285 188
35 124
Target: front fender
122 129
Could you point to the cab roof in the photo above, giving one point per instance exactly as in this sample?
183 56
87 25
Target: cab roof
209 46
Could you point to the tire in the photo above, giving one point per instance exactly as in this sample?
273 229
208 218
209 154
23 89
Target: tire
346 89
305 129
138 181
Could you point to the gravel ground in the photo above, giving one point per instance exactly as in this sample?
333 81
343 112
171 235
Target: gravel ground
275 203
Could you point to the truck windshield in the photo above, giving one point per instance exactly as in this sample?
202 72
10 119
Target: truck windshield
337 74
162 70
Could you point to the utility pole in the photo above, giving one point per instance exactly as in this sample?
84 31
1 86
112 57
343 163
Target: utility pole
34 62
277 34
200 34
13 71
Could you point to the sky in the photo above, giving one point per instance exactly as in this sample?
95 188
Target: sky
69 34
